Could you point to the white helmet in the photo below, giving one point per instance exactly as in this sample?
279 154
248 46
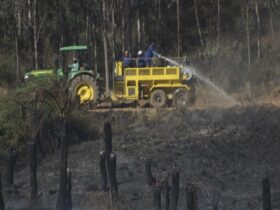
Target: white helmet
139 52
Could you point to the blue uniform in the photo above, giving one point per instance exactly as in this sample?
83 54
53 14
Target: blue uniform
149 54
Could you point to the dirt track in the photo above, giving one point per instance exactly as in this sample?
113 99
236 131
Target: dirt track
225 152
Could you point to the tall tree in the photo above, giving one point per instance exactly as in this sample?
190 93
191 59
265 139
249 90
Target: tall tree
104 35
248 45
178 27
198 24
258 29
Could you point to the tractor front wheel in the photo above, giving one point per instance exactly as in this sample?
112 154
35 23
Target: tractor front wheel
84 88
158 98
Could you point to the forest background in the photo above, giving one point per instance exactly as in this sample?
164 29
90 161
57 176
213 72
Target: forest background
234 42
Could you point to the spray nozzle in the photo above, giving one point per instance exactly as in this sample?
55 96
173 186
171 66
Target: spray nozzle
157 54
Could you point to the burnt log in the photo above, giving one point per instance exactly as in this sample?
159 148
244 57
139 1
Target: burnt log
191 197
103 171
174 190
13 155
266 196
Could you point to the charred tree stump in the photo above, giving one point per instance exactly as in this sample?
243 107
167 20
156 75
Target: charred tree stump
174 190
166 199
150 179
266 196
113 177
32 156
111 163
68 201
2 206
13 155
152 182
60 205
157 197
191 197
108 139
103 171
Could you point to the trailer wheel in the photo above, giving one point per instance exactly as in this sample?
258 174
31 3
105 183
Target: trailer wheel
158 98
84 88
181 97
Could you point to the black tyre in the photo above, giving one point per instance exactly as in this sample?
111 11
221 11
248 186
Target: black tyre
158 98
182 97
84 89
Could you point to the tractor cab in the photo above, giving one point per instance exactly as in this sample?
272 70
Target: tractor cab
75 67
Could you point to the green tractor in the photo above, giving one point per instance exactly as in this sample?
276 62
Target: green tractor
82 82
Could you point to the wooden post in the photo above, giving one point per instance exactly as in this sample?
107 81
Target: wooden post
13 155
103 171
191 197
2 206
266 197
32 156
174 190
68 201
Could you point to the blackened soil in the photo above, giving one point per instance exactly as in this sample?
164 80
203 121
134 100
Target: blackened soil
225 152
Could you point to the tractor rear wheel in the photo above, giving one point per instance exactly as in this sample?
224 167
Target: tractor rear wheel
158 98
181 97
84 88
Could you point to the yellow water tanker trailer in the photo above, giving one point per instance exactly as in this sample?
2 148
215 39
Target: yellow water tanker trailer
159 86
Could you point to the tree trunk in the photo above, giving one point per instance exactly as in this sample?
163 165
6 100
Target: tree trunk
219 37
198 24
270 17
105 49
178 28
248 47
138 27
113 32
60 205
258 29
35 33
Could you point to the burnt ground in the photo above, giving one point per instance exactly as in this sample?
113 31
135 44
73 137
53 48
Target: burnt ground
225 152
